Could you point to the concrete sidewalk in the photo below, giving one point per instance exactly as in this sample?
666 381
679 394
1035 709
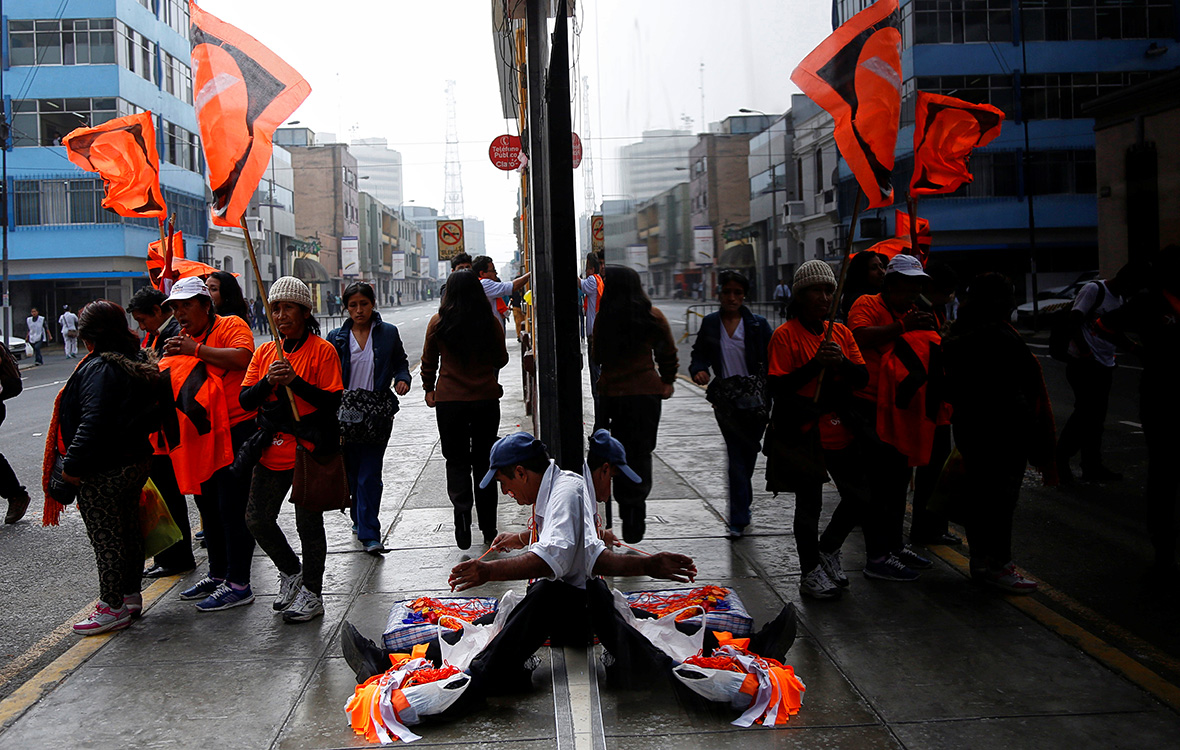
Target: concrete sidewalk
937 663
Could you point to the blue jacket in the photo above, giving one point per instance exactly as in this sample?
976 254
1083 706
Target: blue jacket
389 356
706 350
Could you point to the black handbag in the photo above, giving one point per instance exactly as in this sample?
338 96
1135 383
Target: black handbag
366 417
320 482
59 489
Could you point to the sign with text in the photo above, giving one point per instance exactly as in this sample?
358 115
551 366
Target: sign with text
637 257
702 246
450 238
398 266
577 144
505 152
597 233
350 259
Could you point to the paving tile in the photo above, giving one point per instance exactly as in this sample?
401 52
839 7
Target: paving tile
964 671
681 519
424 567
790 736
714 558
146 706
343 571
1109 731
313 724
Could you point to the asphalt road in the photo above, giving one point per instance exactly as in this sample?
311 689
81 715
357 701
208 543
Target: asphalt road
49 574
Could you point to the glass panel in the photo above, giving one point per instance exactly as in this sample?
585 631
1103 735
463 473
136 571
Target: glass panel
1000 23
21 49
1134 22
48 48
102 48
20 26
24 130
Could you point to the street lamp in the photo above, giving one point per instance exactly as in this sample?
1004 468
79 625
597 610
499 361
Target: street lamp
772 229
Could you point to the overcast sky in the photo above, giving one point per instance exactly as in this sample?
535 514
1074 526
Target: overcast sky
378 68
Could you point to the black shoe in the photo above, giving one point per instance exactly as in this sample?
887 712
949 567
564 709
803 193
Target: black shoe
777 636
17 506
163 571
490 536
1101 474
463 529
362 655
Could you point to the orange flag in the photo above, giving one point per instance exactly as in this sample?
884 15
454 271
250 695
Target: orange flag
181 268
946 131
855 74
123 152
902 229
244 92
894 246
196 429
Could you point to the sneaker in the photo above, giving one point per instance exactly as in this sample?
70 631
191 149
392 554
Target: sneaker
833 565
889 569
912 560
817 585
734 532
17 505
374 547
288 589
103 620
226 597
134 604
306 606
1009 579
202 589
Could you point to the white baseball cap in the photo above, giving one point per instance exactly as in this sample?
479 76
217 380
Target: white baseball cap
906 265
188 288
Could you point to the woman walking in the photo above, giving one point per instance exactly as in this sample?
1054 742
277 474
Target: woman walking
101 429
311 371
462 357
1002 422
809 441
635 349
733 343
372 360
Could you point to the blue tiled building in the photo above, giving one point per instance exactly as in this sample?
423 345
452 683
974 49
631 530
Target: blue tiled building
68 65
1072 52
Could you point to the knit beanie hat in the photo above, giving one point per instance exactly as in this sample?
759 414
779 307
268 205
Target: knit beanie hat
290 289
812 273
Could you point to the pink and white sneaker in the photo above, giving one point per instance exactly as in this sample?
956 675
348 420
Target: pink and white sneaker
104 619
134 604
1009 579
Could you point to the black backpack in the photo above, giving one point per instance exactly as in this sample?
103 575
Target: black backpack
1061 329
10 382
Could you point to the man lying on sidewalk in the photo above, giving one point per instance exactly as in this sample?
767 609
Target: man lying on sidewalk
564 555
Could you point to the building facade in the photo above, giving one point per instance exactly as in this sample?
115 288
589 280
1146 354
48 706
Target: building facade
79 66
813 218
381 169
664 224
773 185
655 163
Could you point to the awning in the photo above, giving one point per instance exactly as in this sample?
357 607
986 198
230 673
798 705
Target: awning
737 255
311 271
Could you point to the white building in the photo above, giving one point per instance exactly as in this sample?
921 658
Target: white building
814 220
654 164
381 169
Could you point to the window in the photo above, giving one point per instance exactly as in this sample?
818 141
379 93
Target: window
959 21
1054 96
136 52
181 148
178 78
84 41
998 174
760 183
44 122
819 170
175 14
978 89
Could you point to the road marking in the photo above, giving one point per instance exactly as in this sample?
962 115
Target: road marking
1136 425
41 683
1037 346
1070 631
43 385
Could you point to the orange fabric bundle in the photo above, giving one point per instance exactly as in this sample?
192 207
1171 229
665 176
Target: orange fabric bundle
775 693
706 597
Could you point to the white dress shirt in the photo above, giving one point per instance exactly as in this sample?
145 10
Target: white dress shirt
361 363
733 351
567 540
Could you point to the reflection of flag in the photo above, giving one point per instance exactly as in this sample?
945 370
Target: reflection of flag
123 152
946 130
855 74
902 222
197 428
244 91
181 268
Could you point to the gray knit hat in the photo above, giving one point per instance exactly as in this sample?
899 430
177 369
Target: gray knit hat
812 273
290 289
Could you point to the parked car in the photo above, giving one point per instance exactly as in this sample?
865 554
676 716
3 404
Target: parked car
18 347
1052 300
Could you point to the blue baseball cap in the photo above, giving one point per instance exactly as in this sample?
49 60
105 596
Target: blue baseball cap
511 450
605 446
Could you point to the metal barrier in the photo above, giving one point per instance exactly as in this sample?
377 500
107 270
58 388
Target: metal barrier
696 313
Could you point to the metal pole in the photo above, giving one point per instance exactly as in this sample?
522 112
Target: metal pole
1027 166
5 301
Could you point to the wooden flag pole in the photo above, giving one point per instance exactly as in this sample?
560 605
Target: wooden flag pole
912 206
274 329
840 285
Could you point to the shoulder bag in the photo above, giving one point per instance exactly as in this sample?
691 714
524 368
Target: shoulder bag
320 482
366 417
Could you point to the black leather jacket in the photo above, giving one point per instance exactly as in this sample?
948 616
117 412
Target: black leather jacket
109 408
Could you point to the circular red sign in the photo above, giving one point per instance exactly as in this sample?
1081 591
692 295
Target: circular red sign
577 150
505 152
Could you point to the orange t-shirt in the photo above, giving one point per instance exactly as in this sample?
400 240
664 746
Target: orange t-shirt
870 310
230 332
793 346
316 362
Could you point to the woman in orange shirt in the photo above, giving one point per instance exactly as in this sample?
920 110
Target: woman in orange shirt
311 370
807 441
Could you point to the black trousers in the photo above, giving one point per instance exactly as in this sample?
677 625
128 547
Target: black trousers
924 522
1091 384
993 478
635 422
1159 409
179 555
890 482
222 503
467 430
10 486
847 469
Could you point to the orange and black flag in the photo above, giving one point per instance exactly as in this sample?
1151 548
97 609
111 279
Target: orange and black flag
893 246
196 429
182 268
855 74
244 92
902 229
946 131
911 395
123 152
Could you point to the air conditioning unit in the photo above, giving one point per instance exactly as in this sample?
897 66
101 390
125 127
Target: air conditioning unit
794 211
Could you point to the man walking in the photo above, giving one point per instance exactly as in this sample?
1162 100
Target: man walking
68 324
38 334
782 296
1090 372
